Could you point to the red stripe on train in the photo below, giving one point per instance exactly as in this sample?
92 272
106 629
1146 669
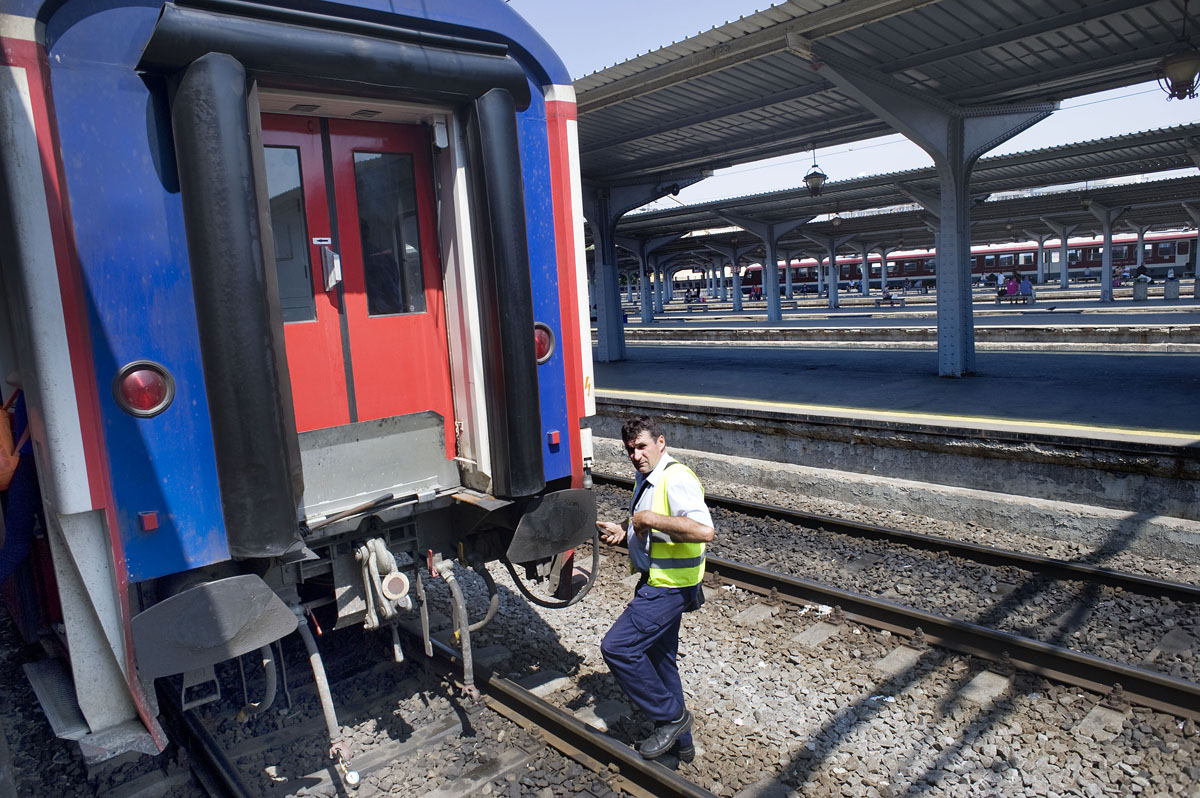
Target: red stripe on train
32 58
558 113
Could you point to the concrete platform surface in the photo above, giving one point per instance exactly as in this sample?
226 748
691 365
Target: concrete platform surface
1149 397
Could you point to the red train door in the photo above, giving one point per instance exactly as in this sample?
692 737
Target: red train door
369 341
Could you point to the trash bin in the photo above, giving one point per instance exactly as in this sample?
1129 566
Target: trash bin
1171 289
1141 290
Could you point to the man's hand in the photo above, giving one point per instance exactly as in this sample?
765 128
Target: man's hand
610 533
644 521
679 528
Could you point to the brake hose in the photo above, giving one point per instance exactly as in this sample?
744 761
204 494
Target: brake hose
559 605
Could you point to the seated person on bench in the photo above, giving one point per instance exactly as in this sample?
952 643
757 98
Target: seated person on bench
1026 289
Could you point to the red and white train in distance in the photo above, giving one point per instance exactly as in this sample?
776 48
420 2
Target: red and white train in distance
1164 252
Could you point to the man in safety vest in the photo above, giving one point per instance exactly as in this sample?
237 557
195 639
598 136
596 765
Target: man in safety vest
666 533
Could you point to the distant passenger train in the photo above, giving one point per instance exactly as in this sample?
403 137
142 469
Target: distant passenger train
294 293
1163 252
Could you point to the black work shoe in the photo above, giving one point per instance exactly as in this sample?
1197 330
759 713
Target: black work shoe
664 736
678 753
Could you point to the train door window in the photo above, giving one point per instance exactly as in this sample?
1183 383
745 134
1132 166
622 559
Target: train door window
1092 253
377 347
391 242
1166 249
292 264
1055 256
1183 247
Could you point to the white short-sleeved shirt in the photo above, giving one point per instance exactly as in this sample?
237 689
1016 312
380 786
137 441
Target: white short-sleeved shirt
684 496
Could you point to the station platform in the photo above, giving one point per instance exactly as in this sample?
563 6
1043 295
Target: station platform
1085 312
1098 395
1081 298
1099 449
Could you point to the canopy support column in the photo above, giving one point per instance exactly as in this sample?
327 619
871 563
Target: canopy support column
1062 232
1107 217
865 270
733 253
603 206
1194 212
643 248
831 244
955 137
884 251
769 233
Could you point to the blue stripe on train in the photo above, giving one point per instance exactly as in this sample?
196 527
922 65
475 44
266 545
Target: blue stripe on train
543 266
128 229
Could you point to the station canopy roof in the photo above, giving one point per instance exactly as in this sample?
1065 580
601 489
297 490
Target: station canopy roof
1155 204
1143 153
747 90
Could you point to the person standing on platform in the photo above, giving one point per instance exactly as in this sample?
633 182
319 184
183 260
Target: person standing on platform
666 535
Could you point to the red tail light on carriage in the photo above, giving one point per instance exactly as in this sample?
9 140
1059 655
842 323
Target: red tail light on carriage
143 388
543 342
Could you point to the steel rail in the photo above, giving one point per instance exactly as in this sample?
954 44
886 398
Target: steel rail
213 768
987 555
647 776
220 777
1148 688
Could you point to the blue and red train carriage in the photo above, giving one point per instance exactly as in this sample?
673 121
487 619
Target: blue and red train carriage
293 291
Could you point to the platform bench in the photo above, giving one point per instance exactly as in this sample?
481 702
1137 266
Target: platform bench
693 305
892 301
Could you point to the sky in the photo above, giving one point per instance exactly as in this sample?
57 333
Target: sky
591 36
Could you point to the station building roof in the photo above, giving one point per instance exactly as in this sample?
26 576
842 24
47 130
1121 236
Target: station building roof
747 90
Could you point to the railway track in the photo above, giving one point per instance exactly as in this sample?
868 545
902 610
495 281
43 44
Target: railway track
617 766
1048 567
830 725
1123 682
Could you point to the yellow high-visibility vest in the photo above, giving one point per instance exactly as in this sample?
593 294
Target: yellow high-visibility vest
673 564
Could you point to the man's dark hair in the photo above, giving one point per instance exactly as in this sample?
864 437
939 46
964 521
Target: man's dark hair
635 426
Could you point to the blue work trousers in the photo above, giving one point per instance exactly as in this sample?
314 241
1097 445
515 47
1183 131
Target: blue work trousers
641 648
